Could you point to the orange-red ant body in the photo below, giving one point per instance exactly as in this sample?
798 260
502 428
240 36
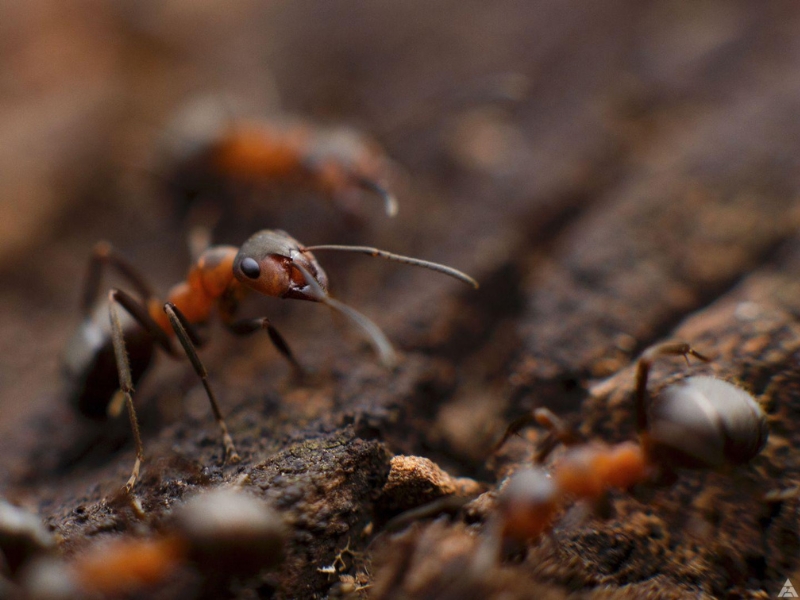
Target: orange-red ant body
123 566
271 263
532 497
698 423
338 162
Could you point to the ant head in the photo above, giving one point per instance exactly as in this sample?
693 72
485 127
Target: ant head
272 263
705 422
527 503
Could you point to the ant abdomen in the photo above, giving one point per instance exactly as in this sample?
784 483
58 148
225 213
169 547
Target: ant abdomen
704 422
89 366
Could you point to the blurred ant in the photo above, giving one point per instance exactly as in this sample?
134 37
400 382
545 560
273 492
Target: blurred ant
271 263
217 535
212 157
23 535
700 422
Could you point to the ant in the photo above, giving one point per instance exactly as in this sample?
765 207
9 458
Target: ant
700 422
215 535
22 536
271 263
338 162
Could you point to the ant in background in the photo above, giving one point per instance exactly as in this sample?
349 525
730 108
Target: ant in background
100 361
213 158
700 422
212 537
213 153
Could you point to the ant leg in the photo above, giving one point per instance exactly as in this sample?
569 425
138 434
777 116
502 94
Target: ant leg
126 385
555 424
139 313
558 433
250 326
514 428
142 316
188 338
643 370
104 254
181 327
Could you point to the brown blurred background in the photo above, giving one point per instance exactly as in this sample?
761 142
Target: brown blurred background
508 120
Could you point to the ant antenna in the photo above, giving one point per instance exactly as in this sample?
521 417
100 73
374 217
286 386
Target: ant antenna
417 262
389 199
378 339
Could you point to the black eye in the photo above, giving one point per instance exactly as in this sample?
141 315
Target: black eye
250 268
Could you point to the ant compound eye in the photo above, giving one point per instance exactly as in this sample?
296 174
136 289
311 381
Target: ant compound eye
250 268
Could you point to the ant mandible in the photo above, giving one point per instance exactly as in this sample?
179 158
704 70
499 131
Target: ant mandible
334 161
270 262
700 422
